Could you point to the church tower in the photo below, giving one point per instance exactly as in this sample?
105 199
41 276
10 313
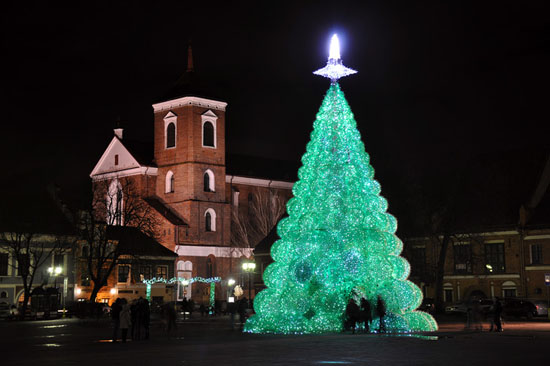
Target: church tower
189 150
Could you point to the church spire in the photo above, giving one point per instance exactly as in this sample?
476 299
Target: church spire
189 58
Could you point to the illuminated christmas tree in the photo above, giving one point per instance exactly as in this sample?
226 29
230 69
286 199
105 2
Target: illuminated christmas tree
338 241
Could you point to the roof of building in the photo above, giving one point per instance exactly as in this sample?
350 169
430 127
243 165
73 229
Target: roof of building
33 210
259 167
264 246
142 151
134 242
166 211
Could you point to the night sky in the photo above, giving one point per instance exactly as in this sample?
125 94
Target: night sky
436 79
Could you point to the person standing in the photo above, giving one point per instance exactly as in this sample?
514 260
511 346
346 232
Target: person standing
125 321
381 312
145 315
243 305
116 308
352 315
498 315
366 313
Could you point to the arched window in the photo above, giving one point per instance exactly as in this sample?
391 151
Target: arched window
115 203
170 135
169 184
3 295
210 220
208 134
209 185
209 268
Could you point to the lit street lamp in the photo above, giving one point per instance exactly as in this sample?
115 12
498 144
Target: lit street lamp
56 271
249 267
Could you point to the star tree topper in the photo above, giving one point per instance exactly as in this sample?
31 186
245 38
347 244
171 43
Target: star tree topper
334 69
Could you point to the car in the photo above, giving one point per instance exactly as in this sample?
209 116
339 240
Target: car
5 311
542 307
519 308
462 307
428 305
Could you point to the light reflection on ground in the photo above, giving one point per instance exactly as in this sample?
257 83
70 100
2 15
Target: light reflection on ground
111 341
49 345
54 326
51 335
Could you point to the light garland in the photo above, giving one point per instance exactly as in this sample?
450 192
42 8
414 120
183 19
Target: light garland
337 241
184 281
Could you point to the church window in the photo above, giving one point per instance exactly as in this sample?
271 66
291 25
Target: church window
208 134
116 159
210 220
209 185
169 184
170 135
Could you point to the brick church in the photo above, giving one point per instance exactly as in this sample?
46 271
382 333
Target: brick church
196 197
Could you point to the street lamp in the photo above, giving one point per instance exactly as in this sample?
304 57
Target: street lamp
56 271
249 267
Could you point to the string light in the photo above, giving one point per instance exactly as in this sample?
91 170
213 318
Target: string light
184 281
337 242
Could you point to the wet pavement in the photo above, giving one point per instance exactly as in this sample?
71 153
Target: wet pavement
211 341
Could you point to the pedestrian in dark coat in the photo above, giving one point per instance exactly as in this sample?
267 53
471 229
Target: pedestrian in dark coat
352 315
145 314
116 308
381 312
366 314
134 331
243 305
498 315
125 321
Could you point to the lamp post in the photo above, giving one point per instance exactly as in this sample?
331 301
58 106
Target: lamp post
249 267
56 271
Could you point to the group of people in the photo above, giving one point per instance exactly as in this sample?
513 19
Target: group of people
135 317
362 314
475 314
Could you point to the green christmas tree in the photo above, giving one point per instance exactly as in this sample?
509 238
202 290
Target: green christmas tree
338 240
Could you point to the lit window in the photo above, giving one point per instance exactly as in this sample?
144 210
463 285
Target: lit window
209 181
162 272
169 185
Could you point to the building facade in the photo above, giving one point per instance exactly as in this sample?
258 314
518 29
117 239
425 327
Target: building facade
194 199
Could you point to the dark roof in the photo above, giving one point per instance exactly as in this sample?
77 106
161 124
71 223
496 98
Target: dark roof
264 246
134 242
33 210
162 208
142 151
257 167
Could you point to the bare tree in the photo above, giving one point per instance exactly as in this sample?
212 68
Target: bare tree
265 209
32 233
116 207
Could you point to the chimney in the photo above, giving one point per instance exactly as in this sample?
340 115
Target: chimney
118 132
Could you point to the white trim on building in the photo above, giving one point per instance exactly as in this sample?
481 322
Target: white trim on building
187 101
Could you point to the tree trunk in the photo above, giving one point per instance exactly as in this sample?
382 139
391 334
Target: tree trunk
439 303
94 293
26 296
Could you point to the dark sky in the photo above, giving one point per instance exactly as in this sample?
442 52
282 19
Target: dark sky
436 79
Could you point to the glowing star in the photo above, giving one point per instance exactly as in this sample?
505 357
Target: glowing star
334 69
